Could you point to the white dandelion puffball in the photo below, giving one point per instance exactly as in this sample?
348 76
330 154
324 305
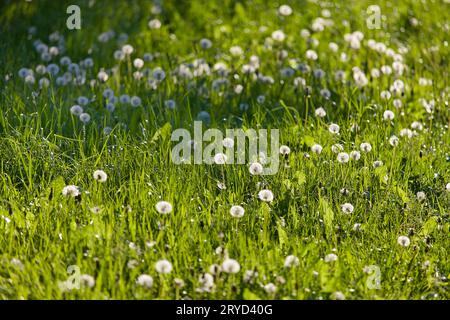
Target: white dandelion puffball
421 195
87 280
100 175
163 207
388 115
220 158
179 283
135 101
355 155
278 35
336 148
205 43
316 148
338 295
417 126
333 128
285 10
228 143
236 51
102 76
159 74
311 55
347 208
170 104
255 169
265 195
237 211
385 95
127 49
403 241
320 112
119 55
377 163
447 187
365 147
331 257
144 280
285 150
393 141
85 118
163 266
406 133
154 24
343 157
70 191
291 261
231 266
206 280
138 63
76 110
270 288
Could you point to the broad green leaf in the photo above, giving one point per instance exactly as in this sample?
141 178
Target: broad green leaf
162 133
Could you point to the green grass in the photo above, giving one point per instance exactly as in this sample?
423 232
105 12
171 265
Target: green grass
43 148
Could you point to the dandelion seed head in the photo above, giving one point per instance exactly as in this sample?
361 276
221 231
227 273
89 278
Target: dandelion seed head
163 266
388 115
71 191
377 163
291 261
266 195
237 211
87 280
220 158
320 112
421 196
285 150
365 147
355 155
135 101
316 148
100 176
338 295
144 280
205 43
403 241
270 288
163 207
231 266
347 208
393 141
127 49
85 118
278 35
228 143
285 10
154 24
343 157
256 168
330 257
333 128
76 110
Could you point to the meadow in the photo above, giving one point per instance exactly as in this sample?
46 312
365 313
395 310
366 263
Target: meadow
92 205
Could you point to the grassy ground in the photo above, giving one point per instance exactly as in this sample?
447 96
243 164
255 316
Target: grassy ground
113 232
